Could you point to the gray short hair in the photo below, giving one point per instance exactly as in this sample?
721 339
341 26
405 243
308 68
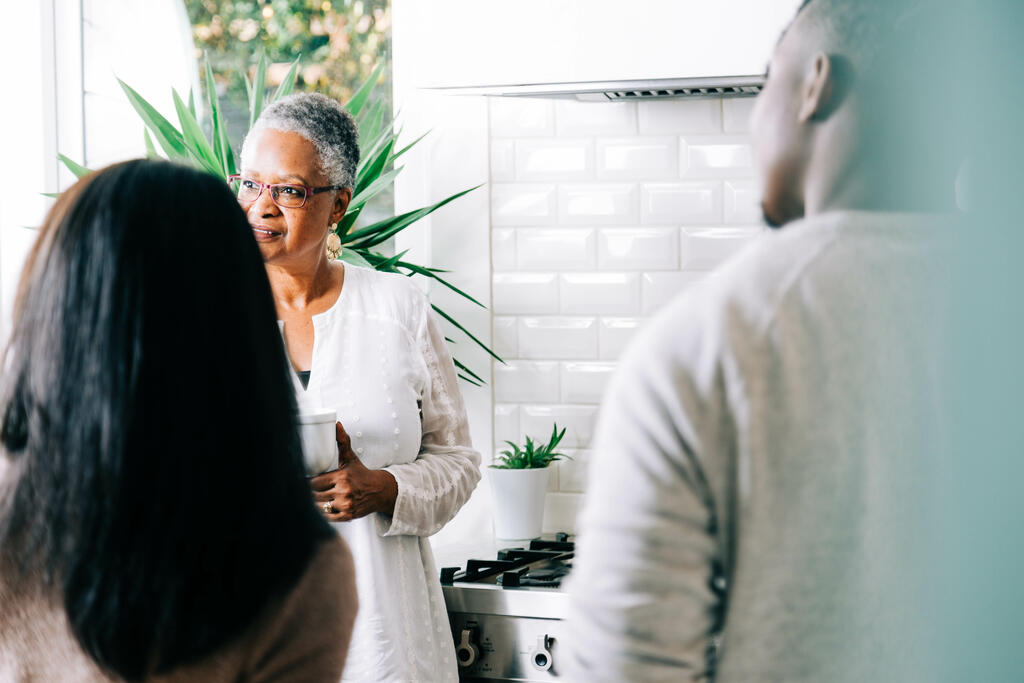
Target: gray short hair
323 122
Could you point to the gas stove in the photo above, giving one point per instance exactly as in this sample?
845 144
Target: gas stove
506 613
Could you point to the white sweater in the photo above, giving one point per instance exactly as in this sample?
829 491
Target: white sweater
755 468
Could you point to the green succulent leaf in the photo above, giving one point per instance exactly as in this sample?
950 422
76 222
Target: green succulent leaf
167 136
358 101
76 168
257 90
288 83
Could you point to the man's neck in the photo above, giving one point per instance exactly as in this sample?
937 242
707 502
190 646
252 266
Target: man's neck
860 187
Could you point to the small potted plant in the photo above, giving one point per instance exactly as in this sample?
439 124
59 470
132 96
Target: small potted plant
519 481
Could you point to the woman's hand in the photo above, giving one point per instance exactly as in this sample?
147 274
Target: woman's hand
353 491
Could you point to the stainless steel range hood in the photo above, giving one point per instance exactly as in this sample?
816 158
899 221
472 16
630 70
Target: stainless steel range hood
603 91
598 50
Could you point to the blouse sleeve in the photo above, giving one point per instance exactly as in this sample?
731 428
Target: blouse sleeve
433 487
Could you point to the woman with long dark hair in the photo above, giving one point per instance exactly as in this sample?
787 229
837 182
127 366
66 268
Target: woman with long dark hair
154 517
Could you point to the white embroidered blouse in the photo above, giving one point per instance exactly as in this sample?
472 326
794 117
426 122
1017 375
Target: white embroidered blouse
381 361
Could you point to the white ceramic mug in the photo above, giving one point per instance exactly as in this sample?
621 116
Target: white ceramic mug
319 444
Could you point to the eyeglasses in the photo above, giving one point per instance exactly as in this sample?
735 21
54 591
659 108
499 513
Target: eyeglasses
285 195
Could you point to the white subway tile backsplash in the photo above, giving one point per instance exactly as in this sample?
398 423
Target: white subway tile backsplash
505 336
736 113
524 293
658 117
742 201
601 214
556 248
503 155
716 157
585 382
506 423
600 293
614 334
537 420
558 159
597 204
660 288
678 203
706 248
558 337
561 510
636 158
522 204
637 248
572 472
521 117
575 118
524 381
503 249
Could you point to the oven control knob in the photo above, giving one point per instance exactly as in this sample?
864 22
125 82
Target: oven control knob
466 652
540 656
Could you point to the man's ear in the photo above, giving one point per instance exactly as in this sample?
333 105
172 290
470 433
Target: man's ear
819 89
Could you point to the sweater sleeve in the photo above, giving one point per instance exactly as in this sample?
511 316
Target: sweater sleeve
307 638
646 589
433 487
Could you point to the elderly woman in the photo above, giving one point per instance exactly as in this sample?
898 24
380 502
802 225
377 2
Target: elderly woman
366 345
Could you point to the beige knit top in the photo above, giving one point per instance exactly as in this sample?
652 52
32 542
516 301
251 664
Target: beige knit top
300 637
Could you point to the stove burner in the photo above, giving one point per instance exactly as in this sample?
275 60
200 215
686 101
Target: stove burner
542 565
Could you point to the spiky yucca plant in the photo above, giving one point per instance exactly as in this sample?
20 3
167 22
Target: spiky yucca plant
376 172
532 455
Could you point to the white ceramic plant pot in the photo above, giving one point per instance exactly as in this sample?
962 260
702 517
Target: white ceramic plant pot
518 502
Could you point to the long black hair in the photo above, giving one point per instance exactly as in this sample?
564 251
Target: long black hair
156 485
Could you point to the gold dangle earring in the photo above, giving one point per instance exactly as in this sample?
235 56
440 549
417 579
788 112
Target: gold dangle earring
333 242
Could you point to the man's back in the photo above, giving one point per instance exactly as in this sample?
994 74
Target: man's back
770 430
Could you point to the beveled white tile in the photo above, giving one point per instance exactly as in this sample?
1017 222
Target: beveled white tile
556 248
503 155
521 117
575 118
680 116
561 511
716 157
522 204
634 158
505 336
614 334
678 203
637 248
554 479
558 337
706 248
572 472
736 113
600 293
585 382
742 201
523 381
597 204
506 423
556 159
660 288
537 420
503 249
524 293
